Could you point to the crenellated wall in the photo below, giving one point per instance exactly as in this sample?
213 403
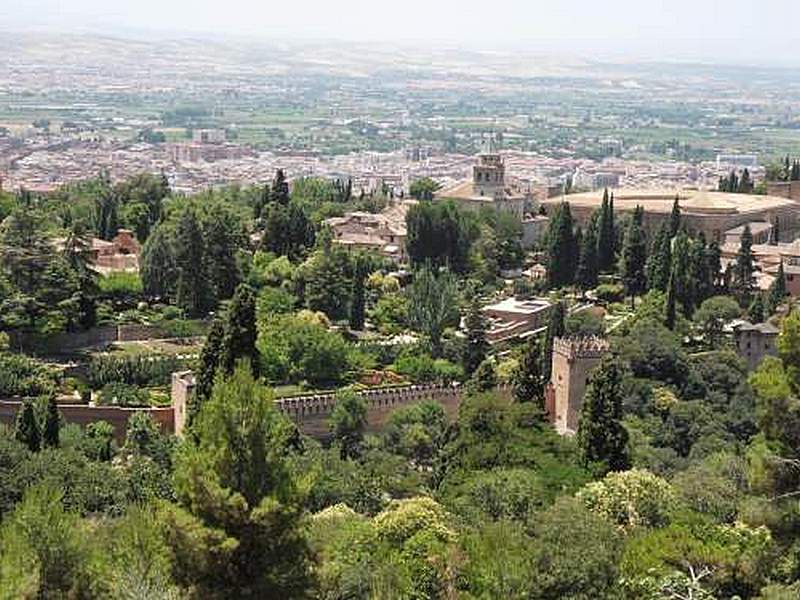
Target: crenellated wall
312 412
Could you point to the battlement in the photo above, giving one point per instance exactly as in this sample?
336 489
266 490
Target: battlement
573 348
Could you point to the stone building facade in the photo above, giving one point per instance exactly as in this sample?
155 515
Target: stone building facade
573 361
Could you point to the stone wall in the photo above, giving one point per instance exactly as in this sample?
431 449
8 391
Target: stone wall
83 414
312 412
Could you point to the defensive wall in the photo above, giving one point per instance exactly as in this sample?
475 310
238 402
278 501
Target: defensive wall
92 338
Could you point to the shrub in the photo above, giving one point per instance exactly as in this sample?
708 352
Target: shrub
133 370
610 292
121 394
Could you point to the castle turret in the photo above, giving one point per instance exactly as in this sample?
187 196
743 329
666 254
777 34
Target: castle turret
573 361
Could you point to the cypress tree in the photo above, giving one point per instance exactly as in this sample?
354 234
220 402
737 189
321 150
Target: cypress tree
279 191
714 268
158 264
605 235
563 253
744 268
756 309
634 257
209 364
52 424
27 428
777 291
477 347
602 439
775 234
528 380
192 287
361 268
556 327
239 338
670 316
675 218
659 260
681 274
586 274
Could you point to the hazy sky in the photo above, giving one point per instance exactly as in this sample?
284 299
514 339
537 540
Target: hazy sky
733 30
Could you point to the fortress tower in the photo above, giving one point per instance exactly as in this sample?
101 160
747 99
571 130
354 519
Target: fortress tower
573 361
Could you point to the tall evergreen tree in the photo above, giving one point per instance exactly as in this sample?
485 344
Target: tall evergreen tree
528 380
744 268
777 291
477 348
287 230
210 357
675 218
52 424
659 260
586 274
361 269
239 338
681 274
634 257
556 327
279 190
562 249
755 312
159 269
605 235
670 307
714 267
433 300
602 439
27 428
192 286
223 238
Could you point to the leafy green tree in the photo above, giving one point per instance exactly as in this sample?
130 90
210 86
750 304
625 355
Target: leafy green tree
237 531
602 439
586 274
52 424
25 250
439 234
484 379
634 256
27 428
348 422
192 293
416 431
239 336
328 280
477 347
556 327
423 189
561 248
433 305
714 313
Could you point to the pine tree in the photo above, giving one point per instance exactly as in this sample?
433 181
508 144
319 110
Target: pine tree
602 439
634 257
52 424
158 264
777 291
562 251
192 287
209 364
528 380
744 268
27 428
556 327
587 271
605 236
239 338
477 348
223 237
279 191
675 219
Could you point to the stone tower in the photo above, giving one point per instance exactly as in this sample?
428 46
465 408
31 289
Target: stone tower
573 361
489 175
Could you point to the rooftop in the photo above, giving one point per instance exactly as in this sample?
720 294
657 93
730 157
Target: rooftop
690 201
522 307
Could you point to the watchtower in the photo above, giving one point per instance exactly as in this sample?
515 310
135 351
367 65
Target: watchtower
573 361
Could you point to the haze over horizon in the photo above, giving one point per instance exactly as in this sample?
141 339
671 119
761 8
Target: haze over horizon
680 30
